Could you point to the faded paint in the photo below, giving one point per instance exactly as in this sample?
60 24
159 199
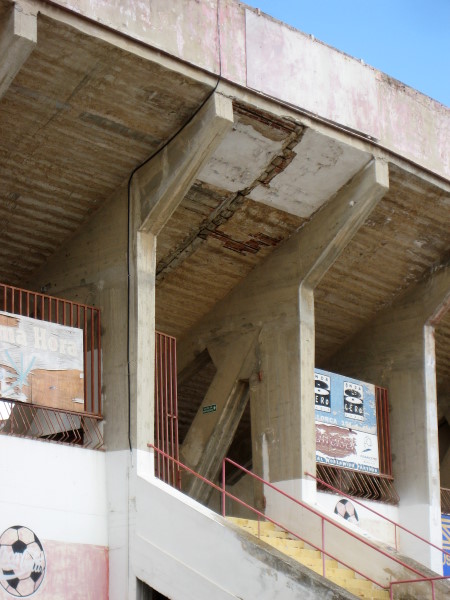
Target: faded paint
57 491
73 572
286 65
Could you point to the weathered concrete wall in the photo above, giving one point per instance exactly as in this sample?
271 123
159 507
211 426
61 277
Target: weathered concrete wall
255 51
92 269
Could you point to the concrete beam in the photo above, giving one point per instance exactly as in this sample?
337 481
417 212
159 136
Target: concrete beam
276 301
334 226
220 441
161 184
18 36
271 289
157 188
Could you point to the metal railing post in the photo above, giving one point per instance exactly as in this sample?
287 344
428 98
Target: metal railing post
223 489
323 547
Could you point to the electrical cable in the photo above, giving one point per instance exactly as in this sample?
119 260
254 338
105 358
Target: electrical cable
129 233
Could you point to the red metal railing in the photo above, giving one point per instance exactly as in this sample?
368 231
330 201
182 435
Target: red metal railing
166 409
430 580
445 500
260 515
383 432
22 419
72 314
369 486
378 514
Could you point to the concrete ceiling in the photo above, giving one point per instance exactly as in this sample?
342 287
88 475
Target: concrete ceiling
81 115
77 119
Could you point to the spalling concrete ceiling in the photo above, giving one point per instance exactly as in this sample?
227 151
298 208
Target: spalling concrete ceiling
82 114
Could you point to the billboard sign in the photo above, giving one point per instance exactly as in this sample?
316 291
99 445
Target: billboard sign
41 362
346 422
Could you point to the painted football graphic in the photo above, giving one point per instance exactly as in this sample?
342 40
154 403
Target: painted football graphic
22 561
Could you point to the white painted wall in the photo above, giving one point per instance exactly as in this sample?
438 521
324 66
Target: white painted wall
185 551
57 491
369 523
118 465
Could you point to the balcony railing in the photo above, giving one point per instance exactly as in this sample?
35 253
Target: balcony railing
71 314
22 419
47 418
445 501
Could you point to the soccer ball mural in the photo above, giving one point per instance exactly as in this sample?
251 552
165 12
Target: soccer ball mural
22 561
346 510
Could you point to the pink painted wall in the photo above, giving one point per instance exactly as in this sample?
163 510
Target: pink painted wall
73 572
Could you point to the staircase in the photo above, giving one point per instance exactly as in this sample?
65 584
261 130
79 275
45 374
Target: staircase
311 558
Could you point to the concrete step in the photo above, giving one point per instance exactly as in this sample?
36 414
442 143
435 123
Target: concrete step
311 558
263 527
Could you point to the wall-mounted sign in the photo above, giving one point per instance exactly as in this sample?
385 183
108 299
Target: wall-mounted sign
22 561
41 362
209 409
446 544
346 422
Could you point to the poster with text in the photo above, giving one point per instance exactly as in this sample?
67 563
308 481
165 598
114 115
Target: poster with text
346 422
41 362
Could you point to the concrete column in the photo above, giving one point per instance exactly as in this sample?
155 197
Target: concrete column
18 35
276 301
397 351
157 188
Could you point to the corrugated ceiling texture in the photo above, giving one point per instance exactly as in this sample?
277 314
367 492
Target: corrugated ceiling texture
407 233
216 264
78 118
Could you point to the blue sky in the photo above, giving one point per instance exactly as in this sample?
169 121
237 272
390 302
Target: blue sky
407 39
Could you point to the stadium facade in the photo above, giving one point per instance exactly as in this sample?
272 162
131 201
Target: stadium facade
197 198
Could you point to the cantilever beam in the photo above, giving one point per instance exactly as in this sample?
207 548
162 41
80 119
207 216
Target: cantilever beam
160 185
18 35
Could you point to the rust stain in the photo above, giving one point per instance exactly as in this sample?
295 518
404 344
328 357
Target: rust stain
252 245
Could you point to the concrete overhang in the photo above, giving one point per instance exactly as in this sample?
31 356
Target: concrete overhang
104 88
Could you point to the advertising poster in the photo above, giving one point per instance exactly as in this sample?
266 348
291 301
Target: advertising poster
446 544
41 362
346 422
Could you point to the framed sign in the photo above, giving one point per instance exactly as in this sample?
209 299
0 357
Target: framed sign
346 422
41 362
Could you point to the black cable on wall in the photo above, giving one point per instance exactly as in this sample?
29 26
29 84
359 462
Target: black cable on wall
130 233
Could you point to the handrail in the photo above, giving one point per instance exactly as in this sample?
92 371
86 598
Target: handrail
396 525
324 519
227 494
423 580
